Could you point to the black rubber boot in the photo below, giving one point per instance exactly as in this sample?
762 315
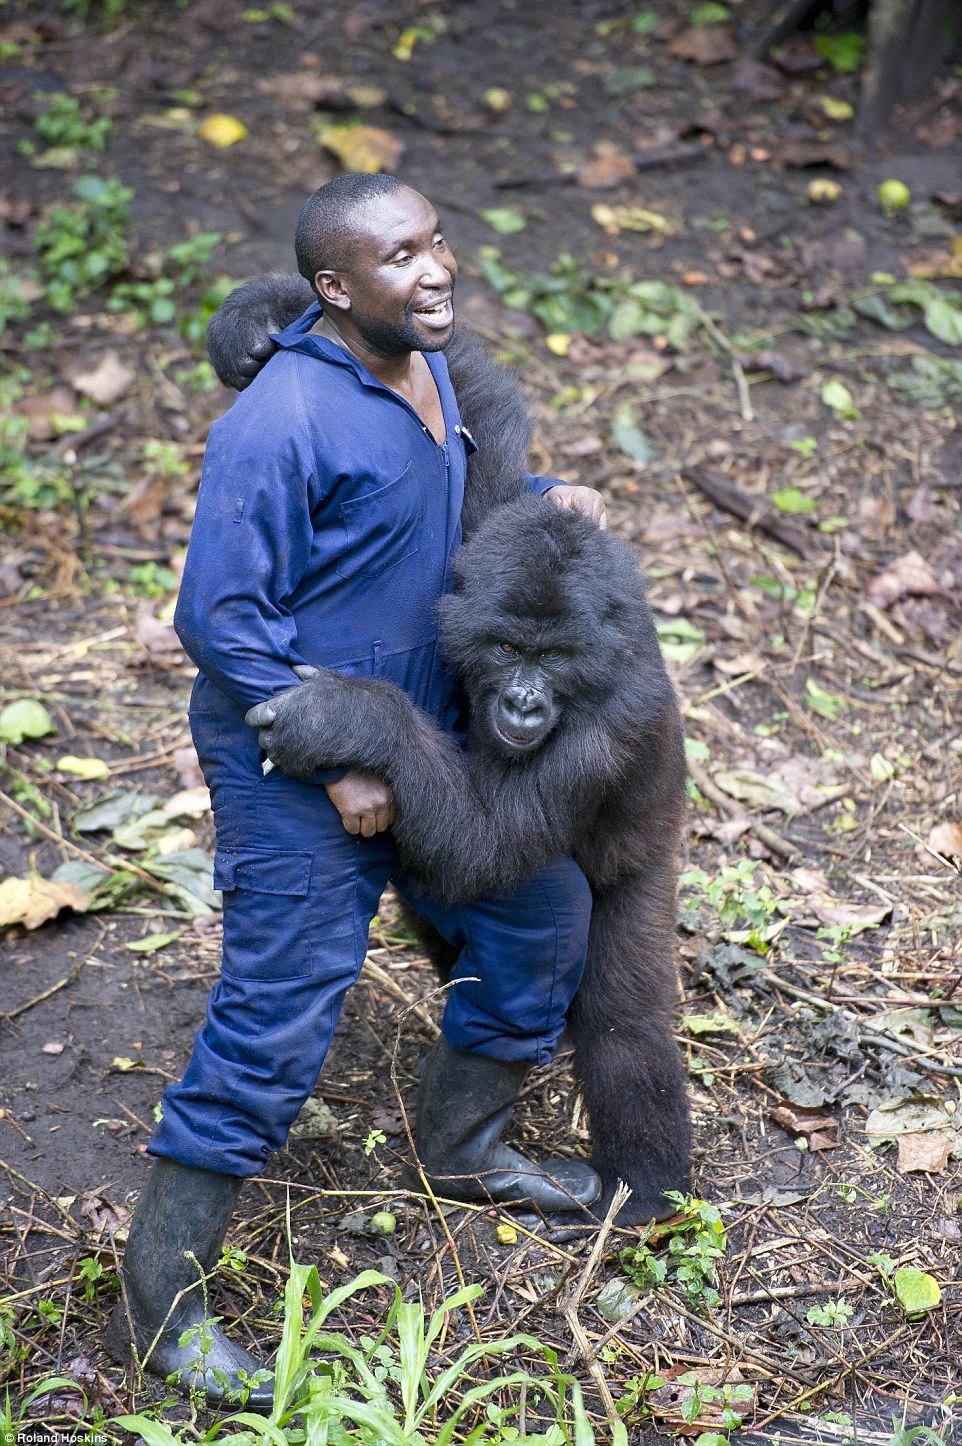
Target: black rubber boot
464 1104
181 1209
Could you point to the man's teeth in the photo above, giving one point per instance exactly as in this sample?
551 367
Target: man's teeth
432 310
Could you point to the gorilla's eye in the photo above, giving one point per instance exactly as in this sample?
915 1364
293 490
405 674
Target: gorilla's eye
550 653
508 648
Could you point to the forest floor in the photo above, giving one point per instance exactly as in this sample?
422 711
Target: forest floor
771 417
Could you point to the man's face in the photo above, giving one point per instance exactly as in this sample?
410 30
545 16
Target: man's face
400 280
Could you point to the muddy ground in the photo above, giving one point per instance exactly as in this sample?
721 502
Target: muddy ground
815 645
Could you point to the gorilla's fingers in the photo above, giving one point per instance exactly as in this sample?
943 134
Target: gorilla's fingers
305 672
262 715
263 349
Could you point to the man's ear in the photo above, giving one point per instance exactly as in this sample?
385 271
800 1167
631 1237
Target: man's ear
331 290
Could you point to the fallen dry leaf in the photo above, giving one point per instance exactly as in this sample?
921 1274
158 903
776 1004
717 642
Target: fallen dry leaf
222 130
923 1152
940 133
302 88
908 576
946 839
633 218
40 411
53 1046
187 768
758 82
800 154
856 917
705 44
103 1214
608 167
158 637
107 382
362 148
818 1128
33 900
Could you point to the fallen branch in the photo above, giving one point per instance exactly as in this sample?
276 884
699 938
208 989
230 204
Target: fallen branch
756 511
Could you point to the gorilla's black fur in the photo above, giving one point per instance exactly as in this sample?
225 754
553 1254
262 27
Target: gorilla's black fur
606 786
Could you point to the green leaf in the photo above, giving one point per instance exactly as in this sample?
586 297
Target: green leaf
504 220
794 500
843 52
719 1022
25 719
827 704
626 78
916 1290
83 767
835 394
150 943
944 320
645 22
710 13
628 436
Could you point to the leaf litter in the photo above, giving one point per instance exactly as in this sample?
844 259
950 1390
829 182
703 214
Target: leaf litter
682 332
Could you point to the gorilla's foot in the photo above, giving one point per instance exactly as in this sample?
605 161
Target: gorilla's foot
174 1243
464 1105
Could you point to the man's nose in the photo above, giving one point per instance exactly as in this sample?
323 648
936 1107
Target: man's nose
437 273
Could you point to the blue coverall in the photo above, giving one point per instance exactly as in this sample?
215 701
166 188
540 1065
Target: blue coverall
326 524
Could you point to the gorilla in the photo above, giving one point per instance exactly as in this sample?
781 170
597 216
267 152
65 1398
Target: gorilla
574 746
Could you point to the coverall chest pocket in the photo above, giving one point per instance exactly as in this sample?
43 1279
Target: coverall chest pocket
381 528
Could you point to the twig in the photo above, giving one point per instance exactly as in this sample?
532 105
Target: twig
719 337
570 1309
70 978
388 983
778 845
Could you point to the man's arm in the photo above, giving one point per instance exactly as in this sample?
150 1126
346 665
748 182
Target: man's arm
250 546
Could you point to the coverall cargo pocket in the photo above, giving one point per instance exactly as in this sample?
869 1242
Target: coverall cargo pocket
381 528
267 913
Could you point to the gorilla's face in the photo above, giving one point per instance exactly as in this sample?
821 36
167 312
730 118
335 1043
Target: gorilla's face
523 707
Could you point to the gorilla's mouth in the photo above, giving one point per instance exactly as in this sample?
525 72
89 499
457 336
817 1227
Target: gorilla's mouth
517 733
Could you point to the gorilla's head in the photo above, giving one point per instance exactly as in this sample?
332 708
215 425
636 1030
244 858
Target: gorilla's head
548 614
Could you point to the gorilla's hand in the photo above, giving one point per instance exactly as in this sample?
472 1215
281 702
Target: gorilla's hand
332 721
581 499
239 332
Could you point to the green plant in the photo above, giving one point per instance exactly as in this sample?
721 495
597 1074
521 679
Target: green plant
150 579
721 1402
569 298
694 1246
164 459
744 910
63 124
83 246
13 302
836 1313
383 1389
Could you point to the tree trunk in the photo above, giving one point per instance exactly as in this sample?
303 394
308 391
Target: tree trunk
909 40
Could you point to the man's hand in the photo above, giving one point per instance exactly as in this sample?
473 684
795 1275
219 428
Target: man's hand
366 805
581 499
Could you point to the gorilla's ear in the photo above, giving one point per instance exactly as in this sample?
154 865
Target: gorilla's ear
239 332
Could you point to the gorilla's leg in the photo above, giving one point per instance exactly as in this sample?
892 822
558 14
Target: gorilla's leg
626 1058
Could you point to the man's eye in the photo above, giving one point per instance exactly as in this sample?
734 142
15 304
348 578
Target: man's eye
508 648
402 259
439 241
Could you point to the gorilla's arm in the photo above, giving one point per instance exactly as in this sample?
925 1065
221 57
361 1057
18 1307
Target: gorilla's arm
239 332
457 826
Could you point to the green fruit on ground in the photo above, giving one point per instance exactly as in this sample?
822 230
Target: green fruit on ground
893 196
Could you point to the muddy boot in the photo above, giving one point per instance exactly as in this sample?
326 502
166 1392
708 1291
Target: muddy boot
464 1104
181 1209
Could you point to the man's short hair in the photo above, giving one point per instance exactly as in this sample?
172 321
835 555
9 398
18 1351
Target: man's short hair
322 241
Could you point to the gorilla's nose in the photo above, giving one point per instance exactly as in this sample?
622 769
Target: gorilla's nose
525 706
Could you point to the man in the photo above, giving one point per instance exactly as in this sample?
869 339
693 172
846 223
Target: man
327 520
